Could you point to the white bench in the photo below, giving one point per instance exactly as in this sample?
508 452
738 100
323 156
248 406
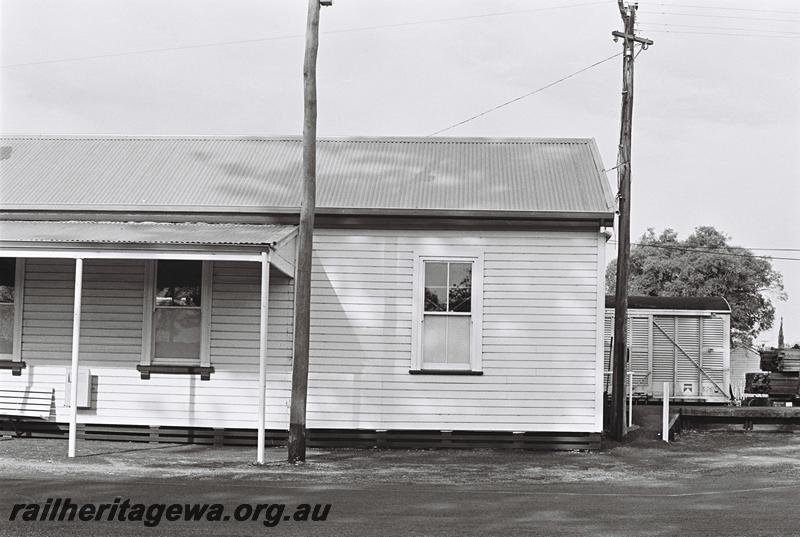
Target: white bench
17 404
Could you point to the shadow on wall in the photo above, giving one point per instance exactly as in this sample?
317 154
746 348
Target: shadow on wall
360 334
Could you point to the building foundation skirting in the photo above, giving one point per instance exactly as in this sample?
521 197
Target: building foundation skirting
316 438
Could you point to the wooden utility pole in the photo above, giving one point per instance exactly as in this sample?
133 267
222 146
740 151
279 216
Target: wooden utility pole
624 241
302 282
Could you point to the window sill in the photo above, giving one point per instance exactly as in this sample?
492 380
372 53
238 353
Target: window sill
444 372
16 366
147 370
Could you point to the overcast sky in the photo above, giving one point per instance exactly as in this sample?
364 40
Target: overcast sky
716 122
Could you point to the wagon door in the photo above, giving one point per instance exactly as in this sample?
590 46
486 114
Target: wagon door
664 352
687 359
639 345
684 356
713 356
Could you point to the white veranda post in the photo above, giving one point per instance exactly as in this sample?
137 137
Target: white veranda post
262 355
76 331
630 399
665 413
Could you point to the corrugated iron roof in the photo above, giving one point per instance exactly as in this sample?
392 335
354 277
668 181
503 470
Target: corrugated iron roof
234 173
12 231
707 303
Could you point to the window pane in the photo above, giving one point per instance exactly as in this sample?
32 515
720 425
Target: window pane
177 333
435 286
6 328
178 296
178 283
460 274
435 274
6 294
435 298
458 339
433 338
8 266
460 292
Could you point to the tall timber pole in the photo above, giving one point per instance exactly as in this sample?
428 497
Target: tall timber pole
302 301
624 241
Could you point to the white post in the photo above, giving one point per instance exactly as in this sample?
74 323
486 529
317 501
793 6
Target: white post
262 355
76 343
630 399
665 413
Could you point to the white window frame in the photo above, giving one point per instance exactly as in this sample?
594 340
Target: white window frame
451 255
19 280
148 341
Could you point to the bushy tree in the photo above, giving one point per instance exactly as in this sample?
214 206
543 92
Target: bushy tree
705 265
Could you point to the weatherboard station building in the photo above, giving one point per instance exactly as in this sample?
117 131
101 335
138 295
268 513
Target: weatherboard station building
457 294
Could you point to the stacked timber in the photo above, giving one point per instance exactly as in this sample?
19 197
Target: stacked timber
782 379
785 360
773 383
756 382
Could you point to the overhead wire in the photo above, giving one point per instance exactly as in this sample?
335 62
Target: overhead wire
713 252
519 98
728 34
761 30
727 8
297 36
724 31
675 14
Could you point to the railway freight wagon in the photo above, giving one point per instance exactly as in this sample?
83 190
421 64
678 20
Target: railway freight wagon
681 340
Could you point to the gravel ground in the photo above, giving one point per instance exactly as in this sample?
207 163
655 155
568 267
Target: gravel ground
706 483
694 455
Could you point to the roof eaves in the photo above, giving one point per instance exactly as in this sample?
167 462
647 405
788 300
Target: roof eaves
332 211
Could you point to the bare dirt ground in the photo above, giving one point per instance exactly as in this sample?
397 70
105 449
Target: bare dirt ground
694 455
706 483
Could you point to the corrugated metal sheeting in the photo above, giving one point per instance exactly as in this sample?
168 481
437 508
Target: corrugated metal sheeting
541 175
142 233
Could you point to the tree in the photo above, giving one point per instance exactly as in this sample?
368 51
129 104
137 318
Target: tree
705 265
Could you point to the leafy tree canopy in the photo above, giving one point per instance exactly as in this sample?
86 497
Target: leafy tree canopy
705 265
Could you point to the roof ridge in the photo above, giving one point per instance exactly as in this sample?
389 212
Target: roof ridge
147 223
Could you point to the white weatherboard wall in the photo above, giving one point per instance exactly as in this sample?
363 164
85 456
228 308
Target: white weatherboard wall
111 339
542 336
541 362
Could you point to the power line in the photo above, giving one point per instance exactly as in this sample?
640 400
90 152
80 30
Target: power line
465 17
713 252
695 6
762 30
751 248
550 85
689 32
674 14
297 36
759 249
153 50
